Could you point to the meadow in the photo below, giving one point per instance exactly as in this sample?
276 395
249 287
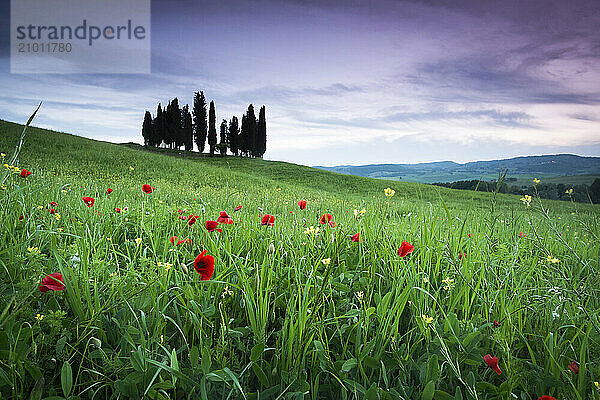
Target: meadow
498 299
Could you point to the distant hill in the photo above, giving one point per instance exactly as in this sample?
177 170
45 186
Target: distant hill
565 165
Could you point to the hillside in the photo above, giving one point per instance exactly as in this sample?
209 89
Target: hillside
146 273
61 154
562 168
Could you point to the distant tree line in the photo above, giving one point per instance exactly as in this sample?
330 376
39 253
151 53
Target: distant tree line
174 127
553 191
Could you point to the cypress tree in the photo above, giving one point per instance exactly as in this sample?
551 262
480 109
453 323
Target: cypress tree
212 130
232 135
147 128
243 137
252 131
158 127
187 128
174 124
223 137
200 120
262 132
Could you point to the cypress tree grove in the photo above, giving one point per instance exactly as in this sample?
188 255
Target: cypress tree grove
212 130
200 126
262 132
147 128
223 138
232 135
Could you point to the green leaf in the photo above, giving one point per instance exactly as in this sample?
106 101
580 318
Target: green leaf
256 351
441 395
429 391
66 379
349 364
260 374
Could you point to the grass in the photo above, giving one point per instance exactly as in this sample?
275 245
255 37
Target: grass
286 314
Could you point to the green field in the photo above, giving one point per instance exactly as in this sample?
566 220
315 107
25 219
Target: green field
287 314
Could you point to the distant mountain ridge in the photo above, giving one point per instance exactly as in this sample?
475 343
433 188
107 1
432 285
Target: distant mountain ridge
446 171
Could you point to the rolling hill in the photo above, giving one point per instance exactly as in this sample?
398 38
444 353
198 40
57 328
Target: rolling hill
561 167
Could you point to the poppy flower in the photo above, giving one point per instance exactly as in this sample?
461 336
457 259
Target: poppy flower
187 240
302 204
21 218
325 218
224 218
117 210
546 397
147 188
405 249
173 239
521 235
238 208
52 204
496 324
356 238
268 219
52 211
332 224
461 255
25 173
211 226
109 191
574 367
204 264
492 362
468 234
53 281
191 219
89 201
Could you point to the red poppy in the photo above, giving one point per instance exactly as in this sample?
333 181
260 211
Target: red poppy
461 255
183 217
356 238
204 264
25 173
117 210
268 219
52 211
89 201
546 397
496 324
173 239
325 218
21 218
224 218
211 226
187 240
492 362
521 235
238 208
52 204
468 234
191 219
405 249
53 281
109 191
332 224
302 204
147 188
574 367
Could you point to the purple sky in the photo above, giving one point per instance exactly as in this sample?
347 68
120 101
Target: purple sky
352 82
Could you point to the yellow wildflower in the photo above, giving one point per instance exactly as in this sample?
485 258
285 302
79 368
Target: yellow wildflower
553 260
39 317
569 191
312 231
426 318
34 250
138 241
526 200
536 180
389 192
326 261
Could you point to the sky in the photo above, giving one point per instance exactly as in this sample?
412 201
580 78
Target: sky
351 82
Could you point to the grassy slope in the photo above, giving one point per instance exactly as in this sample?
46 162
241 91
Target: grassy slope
323 324
62 154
